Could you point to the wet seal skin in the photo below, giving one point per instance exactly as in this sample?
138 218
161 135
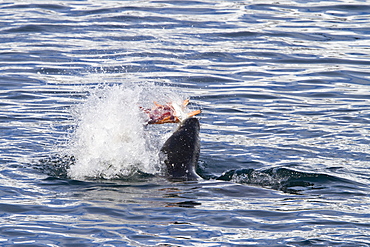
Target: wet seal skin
180 153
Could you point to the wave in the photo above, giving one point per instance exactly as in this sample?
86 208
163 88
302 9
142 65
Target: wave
293 181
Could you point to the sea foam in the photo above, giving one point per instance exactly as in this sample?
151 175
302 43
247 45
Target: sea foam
110 138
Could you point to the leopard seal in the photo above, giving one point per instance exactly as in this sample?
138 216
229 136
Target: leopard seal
180 153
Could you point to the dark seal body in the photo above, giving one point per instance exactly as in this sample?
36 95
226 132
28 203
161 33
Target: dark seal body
180 152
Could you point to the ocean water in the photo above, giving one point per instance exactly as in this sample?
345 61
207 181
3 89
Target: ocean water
284 88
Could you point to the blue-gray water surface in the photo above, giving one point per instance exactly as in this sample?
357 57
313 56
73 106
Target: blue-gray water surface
284 90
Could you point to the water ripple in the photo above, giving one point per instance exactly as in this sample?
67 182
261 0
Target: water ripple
284 89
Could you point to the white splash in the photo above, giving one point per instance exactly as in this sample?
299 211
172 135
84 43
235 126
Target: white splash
110 139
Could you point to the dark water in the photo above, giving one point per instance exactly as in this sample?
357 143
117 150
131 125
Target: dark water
284 88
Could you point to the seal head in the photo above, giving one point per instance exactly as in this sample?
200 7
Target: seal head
180 152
